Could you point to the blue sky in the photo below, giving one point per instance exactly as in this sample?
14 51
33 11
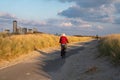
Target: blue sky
73 17
33 9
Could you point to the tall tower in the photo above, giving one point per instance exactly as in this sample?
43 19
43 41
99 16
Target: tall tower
14 26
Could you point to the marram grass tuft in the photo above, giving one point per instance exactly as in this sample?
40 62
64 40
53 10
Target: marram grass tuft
15 45
110 46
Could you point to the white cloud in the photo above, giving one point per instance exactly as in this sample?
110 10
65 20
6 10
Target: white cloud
7 16
93 10
66 24
100 27
86 25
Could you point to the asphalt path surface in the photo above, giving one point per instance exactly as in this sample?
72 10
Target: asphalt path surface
40 68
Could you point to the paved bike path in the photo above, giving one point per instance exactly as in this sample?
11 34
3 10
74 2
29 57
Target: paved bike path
39 68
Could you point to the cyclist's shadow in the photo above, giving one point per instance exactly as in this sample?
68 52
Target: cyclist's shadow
54 64
57 62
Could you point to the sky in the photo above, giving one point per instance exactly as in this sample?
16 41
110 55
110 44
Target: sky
73 17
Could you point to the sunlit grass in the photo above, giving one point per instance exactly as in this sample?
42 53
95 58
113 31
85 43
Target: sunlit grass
110 46
16 45
78 39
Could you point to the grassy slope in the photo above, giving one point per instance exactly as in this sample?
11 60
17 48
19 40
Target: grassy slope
16 45
110 46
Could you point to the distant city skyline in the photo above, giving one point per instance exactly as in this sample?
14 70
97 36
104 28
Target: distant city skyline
73 17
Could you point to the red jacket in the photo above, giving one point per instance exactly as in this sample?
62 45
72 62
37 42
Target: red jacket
63 40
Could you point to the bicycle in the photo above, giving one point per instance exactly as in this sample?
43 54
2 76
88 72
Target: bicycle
63 50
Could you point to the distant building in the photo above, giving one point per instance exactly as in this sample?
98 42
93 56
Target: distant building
24 30
19 30
35 30
7 31
14 26
30 31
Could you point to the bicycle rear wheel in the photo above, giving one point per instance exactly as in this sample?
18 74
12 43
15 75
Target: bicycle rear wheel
63 51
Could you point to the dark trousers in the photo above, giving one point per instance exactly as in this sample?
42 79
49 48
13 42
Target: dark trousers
63 49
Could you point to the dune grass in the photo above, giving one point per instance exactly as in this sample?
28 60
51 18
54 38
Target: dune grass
15 45
110 46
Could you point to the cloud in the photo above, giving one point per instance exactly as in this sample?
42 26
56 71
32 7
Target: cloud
68 24
86 25
91 3
6 16
117 20
6 20
100 27
29 23
92 10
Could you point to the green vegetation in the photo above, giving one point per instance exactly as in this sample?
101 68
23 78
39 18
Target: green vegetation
110 46
12 46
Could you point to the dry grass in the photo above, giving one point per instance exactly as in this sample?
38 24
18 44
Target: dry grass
78 39
16 45
110 46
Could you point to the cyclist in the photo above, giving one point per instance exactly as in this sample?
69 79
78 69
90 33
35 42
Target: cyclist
63 41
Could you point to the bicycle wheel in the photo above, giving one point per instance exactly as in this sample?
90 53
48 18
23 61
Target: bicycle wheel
63 51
